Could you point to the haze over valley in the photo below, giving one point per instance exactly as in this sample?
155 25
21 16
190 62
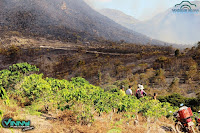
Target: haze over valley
178 28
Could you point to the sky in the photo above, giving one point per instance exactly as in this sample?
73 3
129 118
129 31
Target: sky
139 9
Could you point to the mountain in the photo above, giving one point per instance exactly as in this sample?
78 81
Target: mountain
65 19
175 28
119 17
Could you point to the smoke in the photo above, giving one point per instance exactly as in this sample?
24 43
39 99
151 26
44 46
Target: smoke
93 1
96 4
139 9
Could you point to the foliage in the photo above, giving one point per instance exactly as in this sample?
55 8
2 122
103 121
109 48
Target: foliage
1 116
177 53
23 68
35 88
44 94
154 108
4 96
176 99
8 78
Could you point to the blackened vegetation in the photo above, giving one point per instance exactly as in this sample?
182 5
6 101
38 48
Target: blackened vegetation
76 22
29 24
21 20
93 65
155 66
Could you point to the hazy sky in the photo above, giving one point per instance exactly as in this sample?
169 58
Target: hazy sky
140 9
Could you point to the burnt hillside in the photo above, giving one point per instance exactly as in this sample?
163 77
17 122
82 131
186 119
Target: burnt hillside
68 20
157 67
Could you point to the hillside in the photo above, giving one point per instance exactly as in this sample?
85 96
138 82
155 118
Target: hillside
64 102
105 63
62 65
68 20
120 17
74 105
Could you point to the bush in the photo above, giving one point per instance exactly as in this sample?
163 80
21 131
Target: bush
23 68
44 94
4 96
176 99
1 116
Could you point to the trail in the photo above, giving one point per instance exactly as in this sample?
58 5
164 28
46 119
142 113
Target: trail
87 51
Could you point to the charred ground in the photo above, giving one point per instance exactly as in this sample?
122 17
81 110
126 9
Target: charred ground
105 63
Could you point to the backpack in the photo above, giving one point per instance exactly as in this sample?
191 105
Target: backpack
139 94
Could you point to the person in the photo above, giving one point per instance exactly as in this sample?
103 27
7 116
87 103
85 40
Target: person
122 92
129 91
140 92
138 86
154 96
176 114
142 89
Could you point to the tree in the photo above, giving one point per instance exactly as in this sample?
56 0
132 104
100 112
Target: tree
177 52
193 70
162 61
198 45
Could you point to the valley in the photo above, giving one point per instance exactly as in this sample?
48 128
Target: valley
62 64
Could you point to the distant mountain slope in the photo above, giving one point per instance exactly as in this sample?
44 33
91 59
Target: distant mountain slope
173 27
167 26
64 18
119 17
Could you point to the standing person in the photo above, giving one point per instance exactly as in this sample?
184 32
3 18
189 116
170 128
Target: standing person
154 96
139 86
129 91
140 92
142 89
122 91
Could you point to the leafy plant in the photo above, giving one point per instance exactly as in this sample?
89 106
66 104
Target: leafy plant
45 94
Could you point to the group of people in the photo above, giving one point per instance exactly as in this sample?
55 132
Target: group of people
139 92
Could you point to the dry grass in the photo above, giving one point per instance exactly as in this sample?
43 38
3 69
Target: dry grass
32 42
65 122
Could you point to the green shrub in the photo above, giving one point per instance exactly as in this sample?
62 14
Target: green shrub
176 99
44 94
1 116
23 68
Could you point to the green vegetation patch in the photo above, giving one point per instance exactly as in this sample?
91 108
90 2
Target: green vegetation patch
47 94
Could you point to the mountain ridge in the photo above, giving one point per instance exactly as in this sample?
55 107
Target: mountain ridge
66 19
119 17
